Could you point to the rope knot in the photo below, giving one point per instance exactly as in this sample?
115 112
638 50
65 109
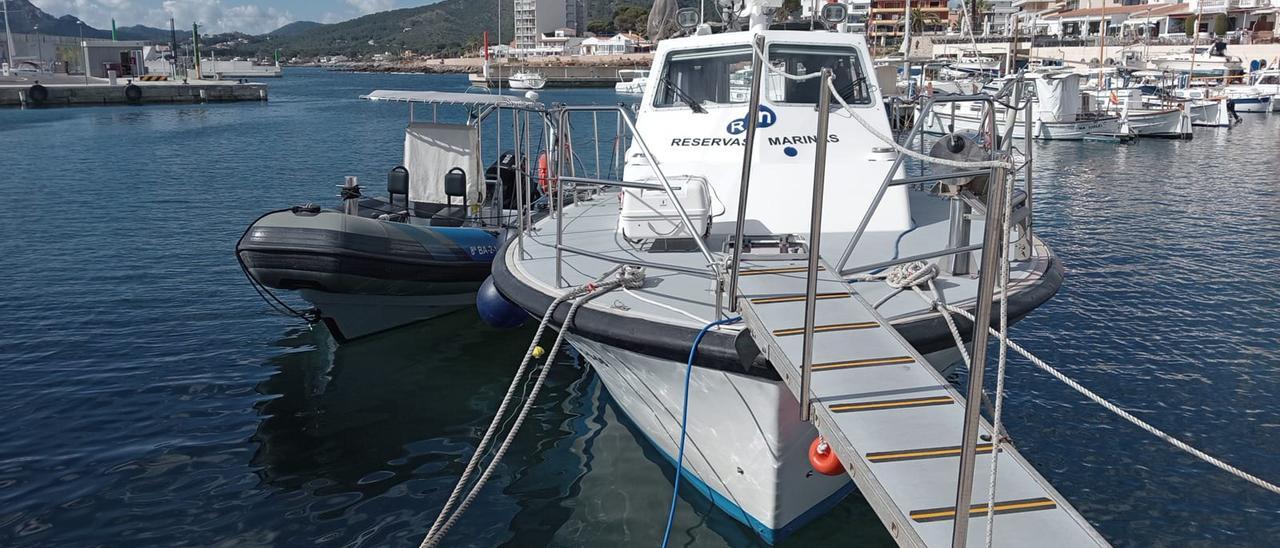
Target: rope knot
909 275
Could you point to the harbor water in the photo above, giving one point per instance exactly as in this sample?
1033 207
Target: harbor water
151 398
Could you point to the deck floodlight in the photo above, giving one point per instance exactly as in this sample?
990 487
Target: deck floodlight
834 13
688 18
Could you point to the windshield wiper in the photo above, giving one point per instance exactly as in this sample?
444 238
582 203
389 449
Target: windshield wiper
684 97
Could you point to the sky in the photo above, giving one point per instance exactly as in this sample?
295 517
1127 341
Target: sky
251 16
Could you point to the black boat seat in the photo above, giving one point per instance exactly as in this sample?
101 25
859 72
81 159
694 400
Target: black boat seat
455 186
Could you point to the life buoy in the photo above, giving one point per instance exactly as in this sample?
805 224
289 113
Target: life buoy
133 93
38 94
823 459
545 181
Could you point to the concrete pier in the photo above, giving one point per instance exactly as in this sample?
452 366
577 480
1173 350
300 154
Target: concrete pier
46 90
579 76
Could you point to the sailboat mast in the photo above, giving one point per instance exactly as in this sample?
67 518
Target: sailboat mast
8 36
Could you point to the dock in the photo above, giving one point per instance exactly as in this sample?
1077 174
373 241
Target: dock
47 90
580 76
893 421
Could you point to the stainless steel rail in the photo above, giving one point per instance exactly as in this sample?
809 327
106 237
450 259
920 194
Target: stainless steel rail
753 121
815 241
563 145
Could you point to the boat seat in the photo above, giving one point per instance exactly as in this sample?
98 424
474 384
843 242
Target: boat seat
455 186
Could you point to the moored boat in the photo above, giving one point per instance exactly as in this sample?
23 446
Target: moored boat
748 451
376 263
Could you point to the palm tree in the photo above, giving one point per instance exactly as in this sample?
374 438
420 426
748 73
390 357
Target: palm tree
920 20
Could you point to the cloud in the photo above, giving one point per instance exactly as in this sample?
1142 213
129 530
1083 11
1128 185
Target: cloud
365 7
213 15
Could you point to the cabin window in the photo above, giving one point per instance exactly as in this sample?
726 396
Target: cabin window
847 73
720 76
723 76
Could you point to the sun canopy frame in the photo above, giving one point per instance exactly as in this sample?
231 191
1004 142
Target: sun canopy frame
453 98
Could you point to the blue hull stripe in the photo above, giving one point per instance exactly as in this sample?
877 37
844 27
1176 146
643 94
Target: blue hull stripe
769 534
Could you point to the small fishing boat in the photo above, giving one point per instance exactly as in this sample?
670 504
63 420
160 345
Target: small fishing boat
1057 116
632 81
377 263
1169 121
527 80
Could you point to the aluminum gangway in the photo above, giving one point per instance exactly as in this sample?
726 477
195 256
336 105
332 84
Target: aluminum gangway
892 419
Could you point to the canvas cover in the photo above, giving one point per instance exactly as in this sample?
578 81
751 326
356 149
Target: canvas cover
1058 97
431 150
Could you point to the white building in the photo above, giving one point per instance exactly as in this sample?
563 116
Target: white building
535 19
618 44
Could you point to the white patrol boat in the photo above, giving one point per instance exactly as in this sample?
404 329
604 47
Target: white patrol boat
714 207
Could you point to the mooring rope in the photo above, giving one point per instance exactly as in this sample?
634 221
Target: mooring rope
628 277
997 414
948 309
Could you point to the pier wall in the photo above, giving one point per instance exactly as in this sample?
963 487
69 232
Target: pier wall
79 94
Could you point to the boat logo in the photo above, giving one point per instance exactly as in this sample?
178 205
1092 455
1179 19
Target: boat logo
767 118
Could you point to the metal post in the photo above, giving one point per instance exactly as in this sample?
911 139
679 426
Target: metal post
815 240
520 192
557 159
1027 145
992 254
595 138
753 120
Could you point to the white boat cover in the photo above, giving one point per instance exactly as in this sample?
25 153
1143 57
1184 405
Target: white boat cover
1058 97
431 150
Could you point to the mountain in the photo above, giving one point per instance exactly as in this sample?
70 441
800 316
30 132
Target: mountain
295 28
445 27
143 32
24 17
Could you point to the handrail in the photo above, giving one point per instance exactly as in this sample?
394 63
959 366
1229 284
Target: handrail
564 145
744 186
610 182
815 240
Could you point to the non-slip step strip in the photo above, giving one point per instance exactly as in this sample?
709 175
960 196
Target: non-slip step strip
797 298
778 270
850 364
826 328
891 404
921 454
1007 507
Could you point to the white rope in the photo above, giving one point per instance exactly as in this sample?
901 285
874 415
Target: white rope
997 415
628 277
497 417
1216 462
904 150
664 305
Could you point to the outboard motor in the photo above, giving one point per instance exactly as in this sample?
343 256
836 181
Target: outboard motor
506 169
961 146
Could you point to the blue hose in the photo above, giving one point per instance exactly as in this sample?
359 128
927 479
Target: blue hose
684 419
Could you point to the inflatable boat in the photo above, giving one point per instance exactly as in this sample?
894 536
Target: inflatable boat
378 263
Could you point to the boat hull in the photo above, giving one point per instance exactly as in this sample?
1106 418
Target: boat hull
942 123
1252 104
365 275
1165 124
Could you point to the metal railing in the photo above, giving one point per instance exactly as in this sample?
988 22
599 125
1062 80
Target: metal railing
563 150
992 247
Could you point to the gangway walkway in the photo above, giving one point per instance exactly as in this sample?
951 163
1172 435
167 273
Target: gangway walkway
893 420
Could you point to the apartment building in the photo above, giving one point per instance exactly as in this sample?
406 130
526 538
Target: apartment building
887 21
535 19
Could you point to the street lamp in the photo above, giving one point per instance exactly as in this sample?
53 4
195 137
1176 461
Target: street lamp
39 47
85 48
